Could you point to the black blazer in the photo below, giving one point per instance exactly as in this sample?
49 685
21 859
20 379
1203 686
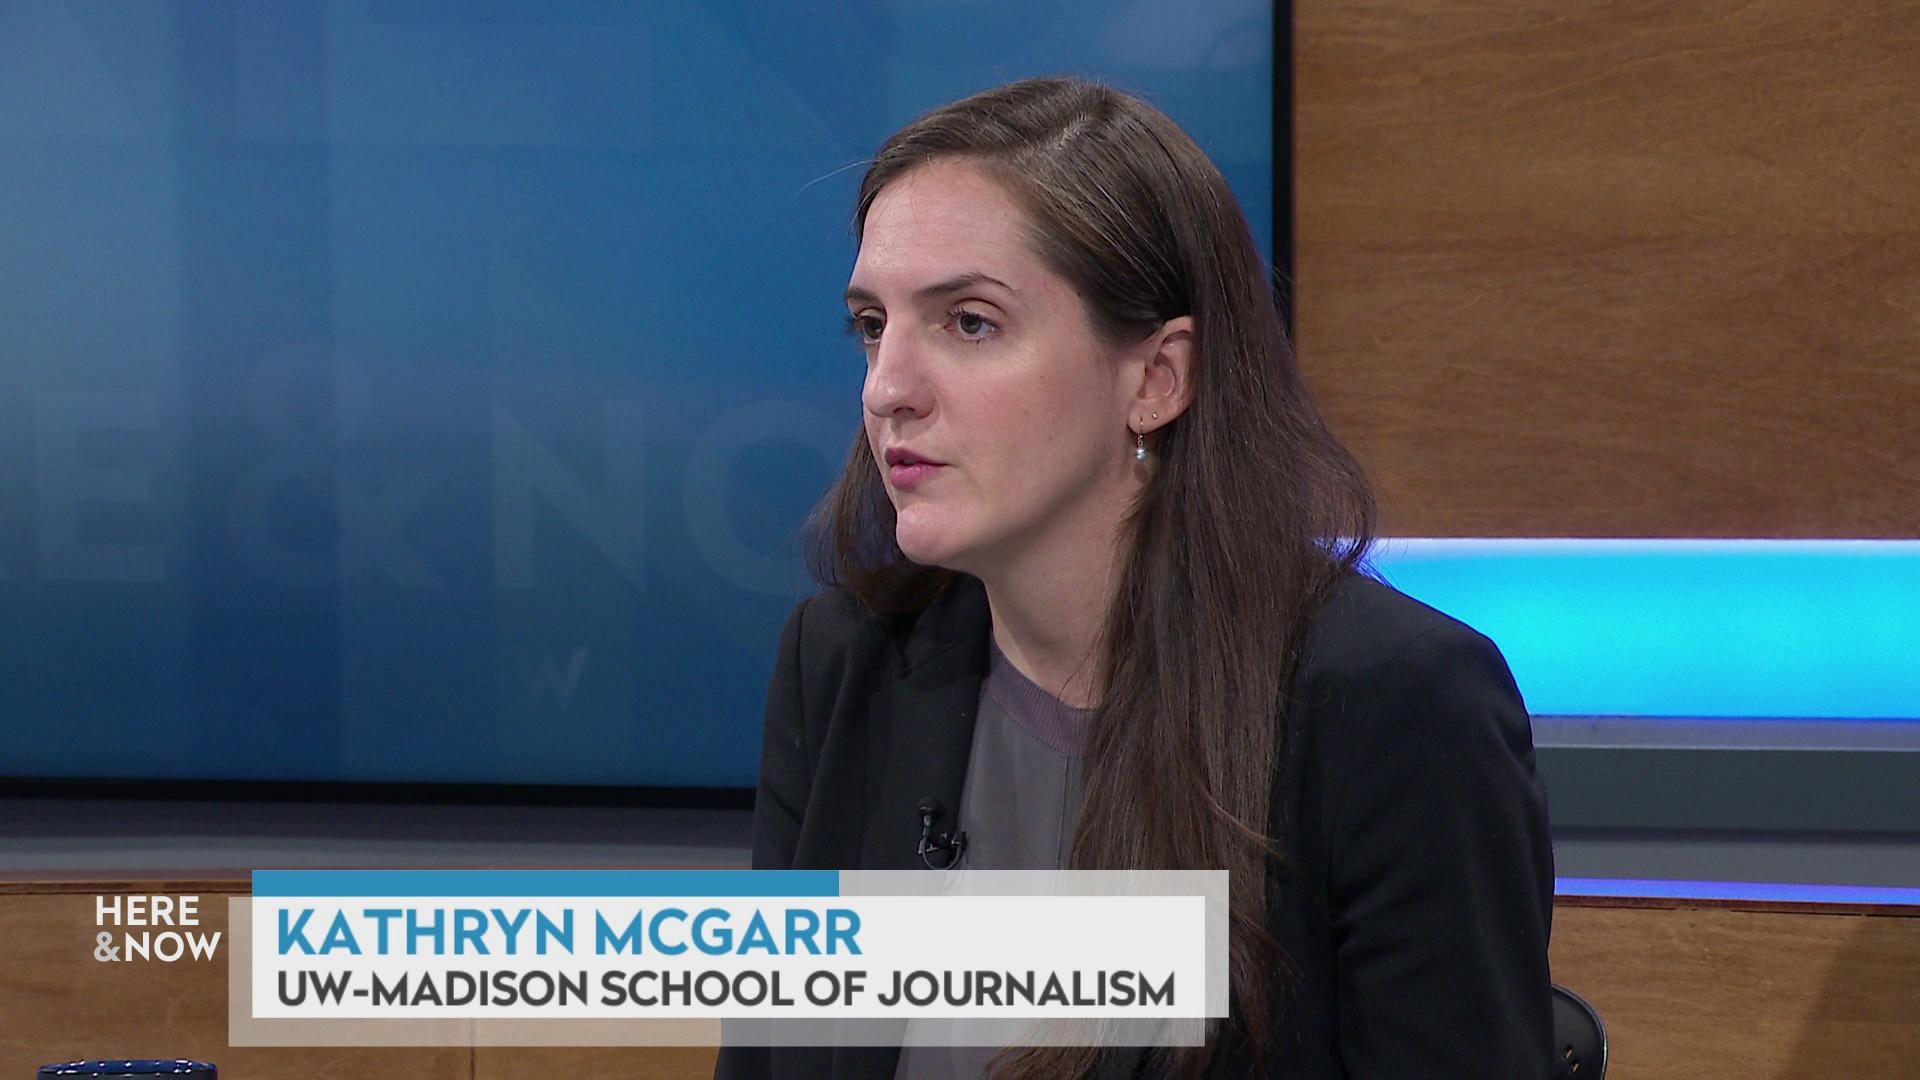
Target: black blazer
1416 896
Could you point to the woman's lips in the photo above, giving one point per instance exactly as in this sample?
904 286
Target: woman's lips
908 477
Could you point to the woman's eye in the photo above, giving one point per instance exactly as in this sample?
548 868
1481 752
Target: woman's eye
974 328
865 327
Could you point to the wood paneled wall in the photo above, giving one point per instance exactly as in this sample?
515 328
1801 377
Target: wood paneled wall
1621 268
1687 992
1746 990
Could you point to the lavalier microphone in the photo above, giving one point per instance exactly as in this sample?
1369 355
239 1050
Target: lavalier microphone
948 846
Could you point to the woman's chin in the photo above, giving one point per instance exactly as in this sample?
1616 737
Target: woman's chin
925 545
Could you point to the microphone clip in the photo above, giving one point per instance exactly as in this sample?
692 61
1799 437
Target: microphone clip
948 846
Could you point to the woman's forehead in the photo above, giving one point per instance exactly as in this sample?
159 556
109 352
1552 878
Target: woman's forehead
937 222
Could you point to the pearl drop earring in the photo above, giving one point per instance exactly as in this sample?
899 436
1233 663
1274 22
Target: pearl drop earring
1139 446
1140 441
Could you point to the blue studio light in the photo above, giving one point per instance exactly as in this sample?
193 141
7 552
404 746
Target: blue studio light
1766 891
1809 629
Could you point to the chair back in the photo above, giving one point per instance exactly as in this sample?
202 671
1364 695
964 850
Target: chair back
1579 1038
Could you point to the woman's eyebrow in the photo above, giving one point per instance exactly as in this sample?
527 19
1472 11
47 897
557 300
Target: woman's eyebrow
858 295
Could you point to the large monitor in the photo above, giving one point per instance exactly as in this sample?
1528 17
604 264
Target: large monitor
430 392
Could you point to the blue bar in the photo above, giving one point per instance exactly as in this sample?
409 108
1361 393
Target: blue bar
1746 629
1651 889
525 883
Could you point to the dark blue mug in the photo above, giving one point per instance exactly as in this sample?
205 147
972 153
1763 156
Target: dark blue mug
200 1070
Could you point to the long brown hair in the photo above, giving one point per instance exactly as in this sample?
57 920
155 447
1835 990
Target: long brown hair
1253 510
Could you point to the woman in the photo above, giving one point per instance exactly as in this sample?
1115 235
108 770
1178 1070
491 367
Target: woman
1094 597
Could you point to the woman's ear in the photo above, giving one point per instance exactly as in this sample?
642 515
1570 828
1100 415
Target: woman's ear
1166 383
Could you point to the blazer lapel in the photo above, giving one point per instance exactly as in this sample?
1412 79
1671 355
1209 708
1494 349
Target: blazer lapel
922 735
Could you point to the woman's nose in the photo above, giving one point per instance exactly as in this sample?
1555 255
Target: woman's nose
895 381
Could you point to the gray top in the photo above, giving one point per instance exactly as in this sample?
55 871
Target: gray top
1025 779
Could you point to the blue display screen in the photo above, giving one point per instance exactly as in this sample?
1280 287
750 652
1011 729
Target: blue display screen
1700 629
432 390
